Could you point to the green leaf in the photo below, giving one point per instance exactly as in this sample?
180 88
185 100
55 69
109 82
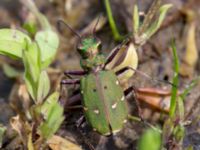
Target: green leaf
12 42
10 71
151 140
179 132
30 27
31 86
43 86
31 59
2 131
53 115
136 19
41 18
155 26
49 102
48 42
180 108
111 21
175 82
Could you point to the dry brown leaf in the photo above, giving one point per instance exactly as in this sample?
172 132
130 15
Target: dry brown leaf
157 98
22 128
59 143
23 94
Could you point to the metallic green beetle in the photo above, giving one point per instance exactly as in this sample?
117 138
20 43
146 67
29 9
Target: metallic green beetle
103 99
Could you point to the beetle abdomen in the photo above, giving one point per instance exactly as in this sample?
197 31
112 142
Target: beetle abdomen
103 102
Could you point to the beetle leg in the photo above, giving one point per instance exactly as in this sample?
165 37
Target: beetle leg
74 100
67 82
114 53
79 123
74 73
71 81
132 90
143 74
74 107
156 98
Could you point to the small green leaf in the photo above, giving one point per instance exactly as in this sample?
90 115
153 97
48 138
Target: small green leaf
41 18
43 86
53 115
175 82
180 108
30 27
2 131
179 132
49 102
136 19
151 140
48 42
31 85
12 42
10 71
31 59
155 26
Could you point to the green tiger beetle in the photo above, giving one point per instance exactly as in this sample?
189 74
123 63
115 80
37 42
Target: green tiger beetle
103 99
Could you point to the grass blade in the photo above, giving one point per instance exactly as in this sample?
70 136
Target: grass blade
113 26
175 81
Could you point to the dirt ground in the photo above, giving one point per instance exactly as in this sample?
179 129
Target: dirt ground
155 59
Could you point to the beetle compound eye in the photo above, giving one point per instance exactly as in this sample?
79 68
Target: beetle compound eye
105 87
94 90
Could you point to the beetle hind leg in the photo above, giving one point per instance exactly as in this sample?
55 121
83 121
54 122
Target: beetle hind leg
132 90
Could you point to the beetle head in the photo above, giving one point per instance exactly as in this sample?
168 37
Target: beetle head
88 46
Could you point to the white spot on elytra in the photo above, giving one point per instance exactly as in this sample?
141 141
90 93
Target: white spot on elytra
96 111
81 91
94 129
117 82
122 99
114 105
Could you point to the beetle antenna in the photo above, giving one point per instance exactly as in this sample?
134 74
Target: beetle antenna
69 27
95 26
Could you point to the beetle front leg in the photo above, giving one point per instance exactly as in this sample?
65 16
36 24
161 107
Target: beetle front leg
70 82
66 82
114 53
74 73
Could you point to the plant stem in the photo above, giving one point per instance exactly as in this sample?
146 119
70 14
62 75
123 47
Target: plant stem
113 26
175 82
